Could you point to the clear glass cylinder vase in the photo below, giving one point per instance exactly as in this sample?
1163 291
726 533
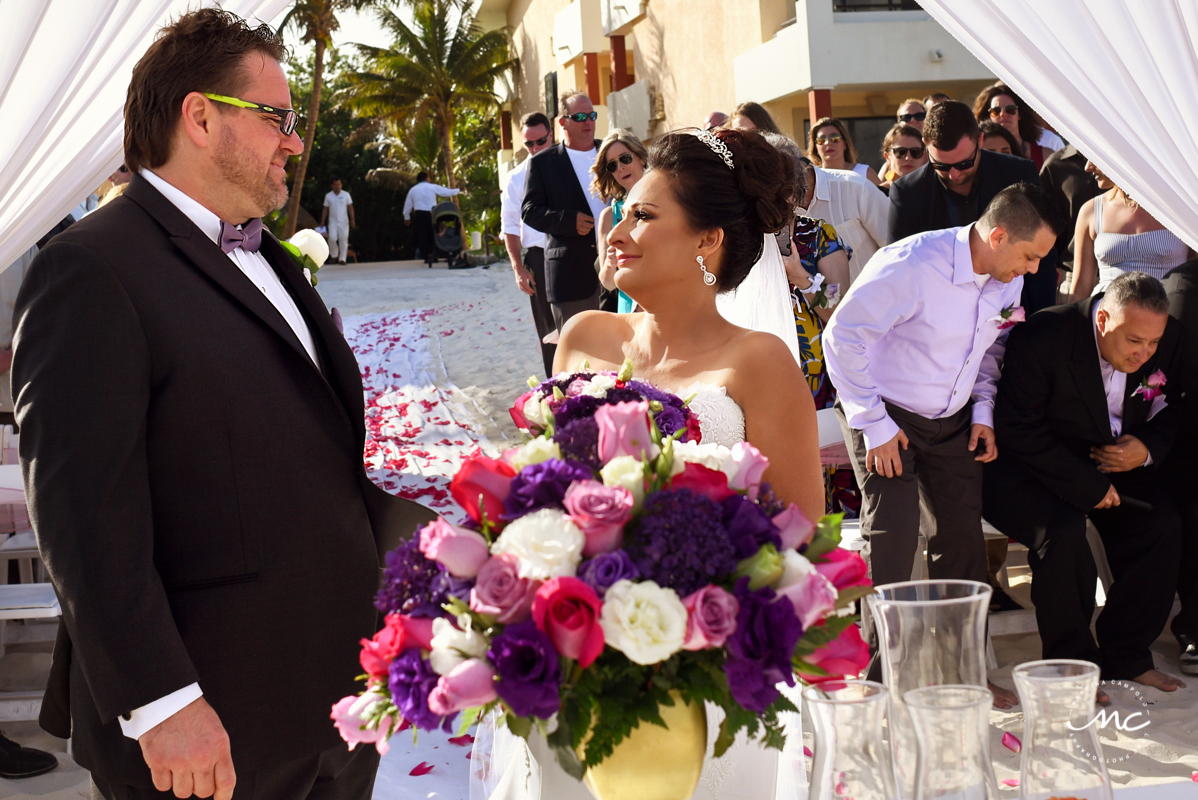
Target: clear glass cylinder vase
850 759
930 633
1061 754
952 730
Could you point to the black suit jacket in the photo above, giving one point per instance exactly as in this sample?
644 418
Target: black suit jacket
1182 285
552 201
196 485
1069 186
919 203
1051 408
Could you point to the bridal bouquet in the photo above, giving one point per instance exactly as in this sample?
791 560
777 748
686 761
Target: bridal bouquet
612 564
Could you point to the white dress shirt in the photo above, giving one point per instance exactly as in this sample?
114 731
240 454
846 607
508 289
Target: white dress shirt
338 205
855 208
510 201
918 331
582 161
257 269
423 197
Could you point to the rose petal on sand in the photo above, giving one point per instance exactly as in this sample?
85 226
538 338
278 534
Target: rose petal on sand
423 768
465 740
1011 742
1194 777
807 752
1011 782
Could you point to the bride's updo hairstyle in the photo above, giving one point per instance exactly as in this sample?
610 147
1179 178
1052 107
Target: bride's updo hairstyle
747 201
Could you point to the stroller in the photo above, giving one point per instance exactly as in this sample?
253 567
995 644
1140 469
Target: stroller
447 233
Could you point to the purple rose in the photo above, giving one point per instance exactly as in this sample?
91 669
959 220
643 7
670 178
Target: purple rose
542 486
760 650
748 526
710 618
602 571
600 513
500 592
412 681
529 670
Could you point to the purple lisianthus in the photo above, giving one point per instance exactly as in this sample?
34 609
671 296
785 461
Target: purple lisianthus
669 420
680 542
747 525
415 585
543 486
529 670
605 569
412 680
578 440
760 650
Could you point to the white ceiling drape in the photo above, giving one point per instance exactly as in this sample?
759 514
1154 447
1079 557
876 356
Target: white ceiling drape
64 70
1117 78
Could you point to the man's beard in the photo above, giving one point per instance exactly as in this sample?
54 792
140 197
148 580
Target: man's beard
237 166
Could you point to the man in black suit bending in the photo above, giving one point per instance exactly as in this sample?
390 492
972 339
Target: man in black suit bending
558 202
191 437
955 186
1081 432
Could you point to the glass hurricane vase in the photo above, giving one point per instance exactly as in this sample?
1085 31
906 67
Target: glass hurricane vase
850 760
952 729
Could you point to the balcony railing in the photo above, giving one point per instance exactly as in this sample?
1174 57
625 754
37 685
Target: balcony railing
875 5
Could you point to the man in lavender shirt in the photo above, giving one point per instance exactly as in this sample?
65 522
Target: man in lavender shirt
914 351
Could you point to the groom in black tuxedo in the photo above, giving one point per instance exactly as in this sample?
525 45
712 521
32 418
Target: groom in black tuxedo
192 433
1081 437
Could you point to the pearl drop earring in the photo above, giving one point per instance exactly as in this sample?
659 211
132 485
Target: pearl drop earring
708 278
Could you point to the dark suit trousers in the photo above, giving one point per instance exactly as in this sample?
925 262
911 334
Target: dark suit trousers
422 229
1181 482
542 312
1140 546
335 774
941 483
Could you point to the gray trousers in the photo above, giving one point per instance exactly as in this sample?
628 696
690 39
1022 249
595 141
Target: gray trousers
939 492
563 311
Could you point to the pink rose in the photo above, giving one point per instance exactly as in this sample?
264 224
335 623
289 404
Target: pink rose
470 684
486 478
399 633
844 568
624 431
843 657
694 432
710 618
567 610
500 592
795 528
749 465
1151 387
600 513
1011 316
517 411
702 480
813 597
347 717
460 550
577 386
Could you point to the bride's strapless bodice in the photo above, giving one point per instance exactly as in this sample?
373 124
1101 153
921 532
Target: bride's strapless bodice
720 418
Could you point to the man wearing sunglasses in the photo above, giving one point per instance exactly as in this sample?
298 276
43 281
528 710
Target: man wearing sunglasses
558 201
958 182
197 424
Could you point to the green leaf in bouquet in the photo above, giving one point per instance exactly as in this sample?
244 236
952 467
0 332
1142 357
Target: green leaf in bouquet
806 667
472 716
561 742
826 538
521 726
851 594
818 636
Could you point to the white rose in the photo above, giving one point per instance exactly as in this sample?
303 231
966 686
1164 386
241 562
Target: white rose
452 646
534 452
534 410
628 472
795 568
311 244
547 543
712 456
599 385
643 621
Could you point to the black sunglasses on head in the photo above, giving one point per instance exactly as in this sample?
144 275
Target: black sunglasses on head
914 152
997 111
960 166
582 116
536 142
918 116
623 158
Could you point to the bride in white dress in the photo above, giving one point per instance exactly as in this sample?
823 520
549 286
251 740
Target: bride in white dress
693 227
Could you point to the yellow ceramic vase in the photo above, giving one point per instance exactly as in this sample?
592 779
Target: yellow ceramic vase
655 763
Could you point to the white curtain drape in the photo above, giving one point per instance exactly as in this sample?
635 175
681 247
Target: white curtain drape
1117 78
64 70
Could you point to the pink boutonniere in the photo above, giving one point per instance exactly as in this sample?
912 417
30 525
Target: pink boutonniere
1151 387
1009 317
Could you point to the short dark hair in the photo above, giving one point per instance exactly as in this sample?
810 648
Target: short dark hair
1021 210
1136 288
421 176
335 179
534 119
989 128
947 122
201 51
934 98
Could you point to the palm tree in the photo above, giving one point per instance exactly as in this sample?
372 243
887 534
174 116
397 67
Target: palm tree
317 20
440 65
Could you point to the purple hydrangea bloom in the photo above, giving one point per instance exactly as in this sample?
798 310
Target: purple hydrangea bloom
415 585
543 485
605 569
680 541
579 441
747 525
759 652
412 680
529 670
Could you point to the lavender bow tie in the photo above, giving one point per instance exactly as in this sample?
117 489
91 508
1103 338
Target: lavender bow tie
248 238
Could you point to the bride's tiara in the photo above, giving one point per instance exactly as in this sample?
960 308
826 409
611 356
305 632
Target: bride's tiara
717 147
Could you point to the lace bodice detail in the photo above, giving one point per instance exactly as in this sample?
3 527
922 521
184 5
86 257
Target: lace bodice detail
720 418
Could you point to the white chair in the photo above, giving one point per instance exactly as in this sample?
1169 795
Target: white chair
21 546
24 601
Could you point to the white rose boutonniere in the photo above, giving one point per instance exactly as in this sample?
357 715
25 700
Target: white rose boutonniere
310 251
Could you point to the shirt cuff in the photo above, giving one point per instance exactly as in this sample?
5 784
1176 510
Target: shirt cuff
141 720
880 433
983 414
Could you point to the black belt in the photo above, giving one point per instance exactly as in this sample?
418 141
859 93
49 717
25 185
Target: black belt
530 249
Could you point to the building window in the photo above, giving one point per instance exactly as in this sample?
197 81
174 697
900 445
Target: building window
875 5
551 95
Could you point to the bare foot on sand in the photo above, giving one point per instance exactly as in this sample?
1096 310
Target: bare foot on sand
1003 698
1160 680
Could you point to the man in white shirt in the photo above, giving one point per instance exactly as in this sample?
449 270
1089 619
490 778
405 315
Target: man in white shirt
418 212
853 206
529 266
338 212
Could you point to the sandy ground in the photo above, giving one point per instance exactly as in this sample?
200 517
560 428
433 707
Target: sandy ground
447 353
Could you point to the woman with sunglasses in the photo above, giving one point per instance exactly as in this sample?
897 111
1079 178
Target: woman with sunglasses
904 152
618 166
997 103
830 146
